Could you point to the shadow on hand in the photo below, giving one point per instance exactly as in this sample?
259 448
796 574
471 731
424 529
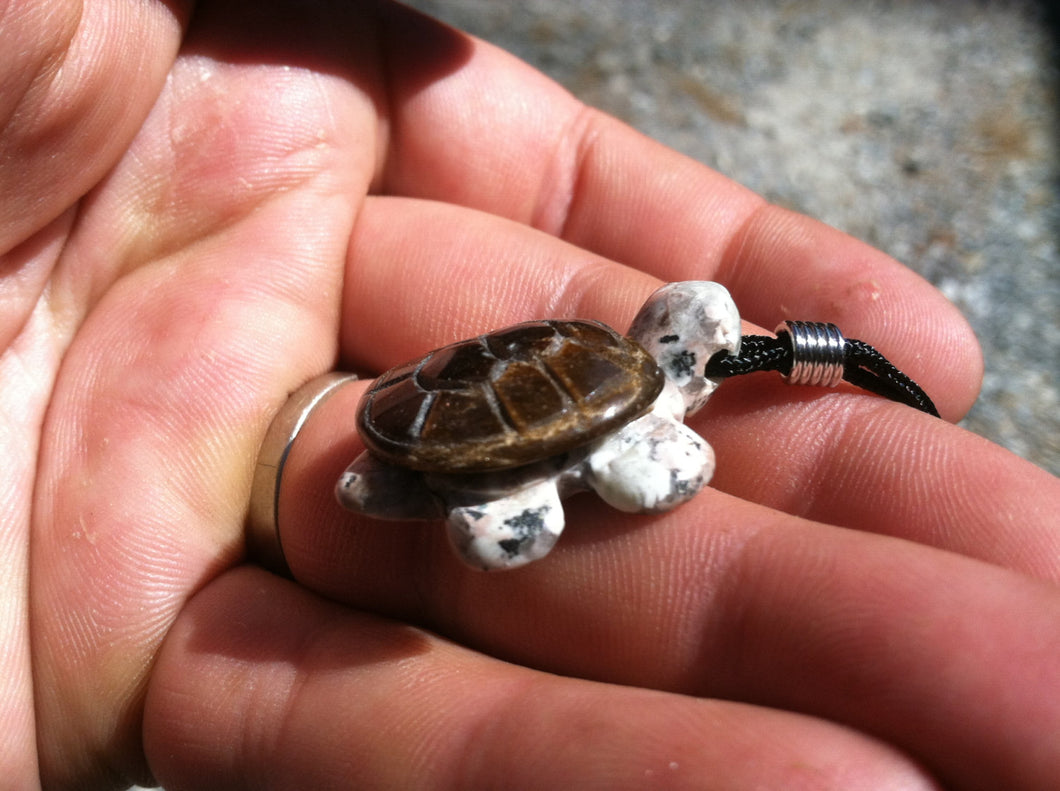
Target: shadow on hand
364 42
255 618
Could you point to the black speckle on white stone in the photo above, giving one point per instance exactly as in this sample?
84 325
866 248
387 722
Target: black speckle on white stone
510 546
525 527
509 531
530 520
683 488
682 366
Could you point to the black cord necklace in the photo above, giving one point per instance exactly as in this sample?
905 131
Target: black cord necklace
817 354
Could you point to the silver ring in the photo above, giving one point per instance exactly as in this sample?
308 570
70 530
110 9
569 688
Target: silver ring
818 353
264 543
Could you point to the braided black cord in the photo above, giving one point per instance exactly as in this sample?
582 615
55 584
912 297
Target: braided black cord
863 366
868 369
757 353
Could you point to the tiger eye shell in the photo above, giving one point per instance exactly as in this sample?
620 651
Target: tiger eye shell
507 398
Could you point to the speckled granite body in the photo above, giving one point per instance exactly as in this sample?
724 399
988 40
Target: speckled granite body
927 129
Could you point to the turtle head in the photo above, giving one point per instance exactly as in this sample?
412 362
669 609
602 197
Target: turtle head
684 324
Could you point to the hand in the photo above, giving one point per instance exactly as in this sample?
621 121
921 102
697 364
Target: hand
208 217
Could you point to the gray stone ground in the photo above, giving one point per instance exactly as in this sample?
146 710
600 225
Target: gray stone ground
928 129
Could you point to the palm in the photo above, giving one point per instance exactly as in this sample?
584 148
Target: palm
225 237
184 309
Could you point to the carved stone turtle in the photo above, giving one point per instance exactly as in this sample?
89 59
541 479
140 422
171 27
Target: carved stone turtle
508 398
492 432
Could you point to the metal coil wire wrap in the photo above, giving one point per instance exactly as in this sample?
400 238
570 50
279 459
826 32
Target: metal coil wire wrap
818 350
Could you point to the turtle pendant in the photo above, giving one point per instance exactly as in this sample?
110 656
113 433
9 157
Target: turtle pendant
491 433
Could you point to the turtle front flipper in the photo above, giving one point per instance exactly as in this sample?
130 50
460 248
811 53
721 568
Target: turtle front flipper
510 531
651 465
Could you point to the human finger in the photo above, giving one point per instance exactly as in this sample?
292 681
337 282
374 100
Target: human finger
423 273
200 287
911 644
258 663
875 466
523 148
859 462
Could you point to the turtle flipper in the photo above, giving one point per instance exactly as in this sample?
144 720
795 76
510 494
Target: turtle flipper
385 491
651 465
508 532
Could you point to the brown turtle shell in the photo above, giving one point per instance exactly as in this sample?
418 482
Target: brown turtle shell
507 398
